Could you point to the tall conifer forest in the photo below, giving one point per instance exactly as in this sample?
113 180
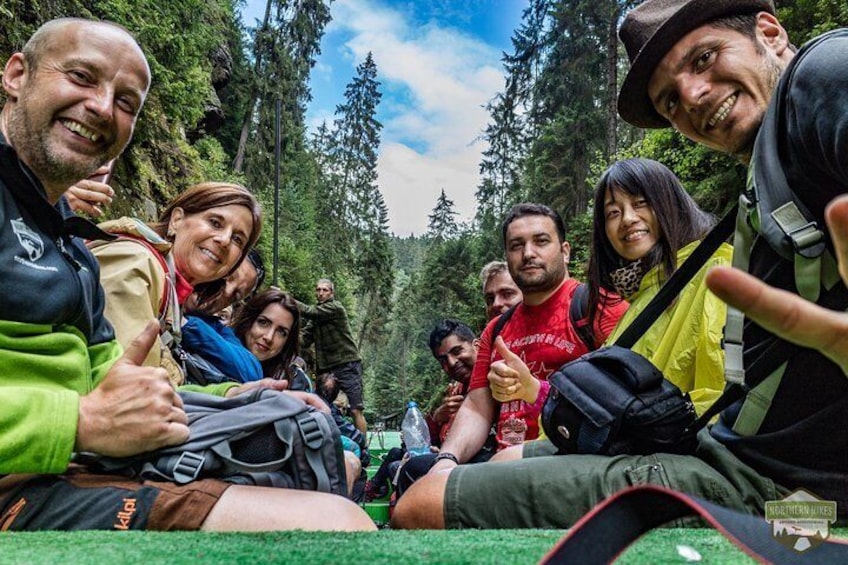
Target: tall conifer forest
218 83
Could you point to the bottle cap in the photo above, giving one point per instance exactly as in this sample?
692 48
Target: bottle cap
412 404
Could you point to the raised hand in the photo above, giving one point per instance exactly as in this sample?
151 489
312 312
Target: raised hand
449 406
281 385
273 384
786 314
510 378
311 399
134 408
90 195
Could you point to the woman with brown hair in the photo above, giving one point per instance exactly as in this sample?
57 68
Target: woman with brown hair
149 270
268 325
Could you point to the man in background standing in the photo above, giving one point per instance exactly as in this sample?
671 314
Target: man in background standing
336 352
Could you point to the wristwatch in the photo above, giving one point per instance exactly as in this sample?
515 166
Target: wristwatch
445 455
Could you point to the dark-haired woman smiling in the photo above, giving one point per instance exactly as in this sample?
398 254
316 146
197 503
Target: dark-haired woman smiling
645 226
269 327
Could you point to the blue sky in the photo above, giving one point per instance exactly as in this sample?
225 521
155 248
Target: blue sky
438 62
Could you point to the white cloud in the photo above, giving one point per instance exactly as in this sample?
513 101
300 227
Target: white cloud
443 77
322 116
411 183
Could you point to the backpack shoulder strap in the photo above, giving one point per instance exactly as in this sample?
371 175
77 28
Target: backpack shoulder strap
170 315
775 211
502 320
578 313
165 301
772 210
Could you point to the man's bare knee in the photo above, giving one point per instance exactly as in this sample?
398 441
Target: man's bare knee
245 508
353 468
509 454
422 506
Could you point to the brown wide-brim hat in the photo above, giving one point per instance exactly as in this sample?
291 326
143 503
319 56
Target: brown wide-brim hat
650 30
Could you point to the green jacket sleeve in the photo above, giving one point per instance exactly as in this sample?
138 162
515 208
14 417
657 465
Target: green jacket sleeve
219 389
40 426
45 371
325 311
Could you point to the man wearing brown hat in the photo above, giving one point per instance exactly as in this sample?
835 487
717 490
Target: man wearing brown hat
710 68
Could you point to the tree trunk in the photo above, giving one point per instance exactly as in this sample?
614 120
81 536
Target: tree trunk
238 163
612 83
364 329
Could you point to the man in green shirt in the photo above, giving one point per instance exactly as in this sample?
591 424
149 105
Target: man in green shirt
328 328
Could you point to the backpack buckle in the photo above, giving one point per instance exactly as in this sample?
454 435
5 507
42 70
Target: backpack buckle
311 431
806 237
188 467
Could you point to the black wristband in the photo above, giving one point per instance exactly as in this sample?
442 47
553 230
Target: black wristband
445 455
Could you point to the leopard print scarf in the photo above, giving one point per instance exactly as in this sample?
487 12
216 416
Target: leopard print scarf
626 279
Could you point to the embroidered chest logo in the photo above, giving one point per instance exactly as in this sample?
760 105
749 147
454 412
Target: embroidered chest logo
29 239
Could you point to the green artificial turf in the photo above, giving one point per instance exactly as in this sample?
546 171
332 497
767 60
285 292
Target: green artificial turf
501 547
383 547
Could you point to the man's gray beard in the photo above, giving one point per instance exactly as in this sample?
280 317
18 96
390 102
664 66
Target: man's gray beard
51 169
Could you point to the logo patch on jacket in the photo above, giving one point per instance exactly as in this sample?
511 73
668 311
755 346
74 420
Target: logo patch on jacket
29 239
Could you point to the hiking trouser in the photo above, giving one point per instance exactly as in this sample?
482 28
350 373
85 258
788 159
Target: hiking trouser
554 491
79 500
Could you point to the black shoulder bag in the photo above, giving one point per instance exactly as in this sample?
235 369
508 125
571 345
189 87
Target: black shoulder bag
613 401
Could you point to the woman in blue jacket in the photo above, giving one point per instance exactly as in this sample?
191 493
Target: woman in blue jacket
204 334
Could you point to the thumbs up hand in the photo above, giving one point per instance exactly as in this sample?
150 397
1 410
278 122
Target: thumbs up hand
510 378
134 408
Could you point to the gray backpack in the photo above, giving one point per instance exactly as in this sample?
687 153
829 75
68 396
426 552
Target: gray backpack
261 437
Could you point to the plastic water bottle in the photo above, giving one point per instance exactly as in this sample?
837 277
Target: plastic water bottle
416 434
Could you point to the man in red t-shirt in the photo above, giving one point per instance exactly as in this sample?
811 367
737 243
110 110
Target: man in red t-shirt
539 331
454 346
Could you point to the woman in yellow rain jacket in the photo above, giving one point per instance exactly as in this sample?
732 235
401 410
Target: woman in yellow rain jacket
645 226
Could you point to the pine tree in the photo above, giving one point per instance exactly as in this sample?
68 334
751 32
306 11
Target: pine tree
350 186
500 169
442 221
557 112
285 46
375 272
355 141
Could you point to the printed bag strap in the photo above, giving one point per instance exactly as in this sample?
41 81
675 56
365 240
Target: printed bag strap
610 527
167 266
170 316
